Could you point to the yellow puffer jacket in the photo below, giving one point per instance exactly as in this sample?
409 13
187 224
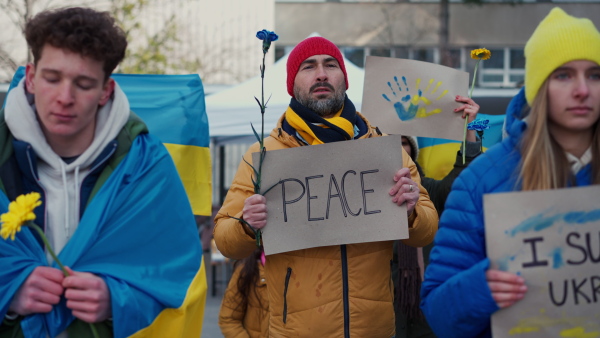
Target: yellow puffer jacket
251 322
334 291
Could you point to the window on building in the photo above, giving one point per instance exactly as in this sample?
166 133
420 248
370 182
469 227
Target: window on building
356 55
454 58
506 68
424 54
401 52
386 52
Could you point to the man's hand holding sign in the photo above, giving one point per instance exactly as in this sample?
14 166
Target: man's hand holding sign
405 190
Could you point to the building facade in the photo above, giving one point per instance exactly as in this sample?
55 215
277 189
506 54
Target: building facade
410 29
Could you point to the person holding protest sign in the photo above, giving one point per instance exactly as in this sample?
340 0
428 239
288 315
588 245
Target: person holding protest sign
98 188
554 143
245 309
348 287
409 263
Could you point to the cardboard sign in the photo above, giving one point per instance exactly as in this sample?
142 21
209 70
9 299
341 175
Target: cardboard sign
414 98
552 239
332 194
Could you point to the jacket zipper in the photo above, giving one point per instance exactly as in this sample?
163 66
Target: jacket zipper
287 282
345 291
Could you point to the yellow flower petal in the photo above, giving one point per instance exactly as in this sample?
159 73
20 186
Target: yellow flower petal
19 212
481 54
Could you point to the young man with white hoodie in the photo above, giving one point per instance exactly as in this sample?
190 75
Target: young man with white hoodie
68 134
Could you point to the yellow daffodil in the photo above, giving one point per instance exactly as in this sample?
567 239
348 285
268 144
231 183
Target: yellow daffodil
481 54
19 212
476 54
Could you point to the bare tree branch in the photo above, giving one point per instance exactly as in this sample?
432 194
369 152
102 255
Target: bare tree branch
7 61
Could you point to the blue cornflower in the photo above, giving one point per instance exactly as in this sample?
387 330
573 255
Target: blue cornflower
479 125
267 37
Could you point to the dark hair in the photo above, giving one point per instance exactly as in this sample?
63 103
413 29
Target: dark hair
80 30
248 279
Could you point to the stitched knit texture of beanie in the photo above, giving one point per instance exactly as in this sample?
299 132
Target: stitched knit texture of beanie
315 45
558 39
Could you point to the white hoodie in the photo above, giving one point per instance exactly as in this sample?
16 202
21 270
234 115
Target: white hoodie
60 181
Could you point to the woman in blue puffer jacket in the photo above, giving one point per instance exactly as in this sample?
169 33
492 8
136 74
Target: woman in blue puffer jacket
553 142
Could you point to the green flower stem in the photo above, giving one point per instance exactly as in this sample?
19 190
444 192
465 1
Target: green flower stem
464 144
62 267
262 125
94 330
258 232
474 77
48 247
464 150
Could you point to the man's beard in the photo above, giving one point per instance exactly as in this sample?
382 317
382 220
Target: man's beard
323 107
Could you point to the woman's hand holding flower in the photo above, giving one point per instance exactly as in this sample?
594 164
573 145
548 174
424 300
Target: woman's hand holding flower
469 110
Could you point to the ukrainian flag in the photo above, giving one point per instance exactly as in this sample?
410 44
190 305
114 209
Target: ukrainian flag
172 106
437 156
155 274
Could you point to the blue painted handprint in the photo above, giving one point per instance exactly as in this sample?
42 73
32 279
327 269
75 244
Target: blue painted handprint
413 110
403 114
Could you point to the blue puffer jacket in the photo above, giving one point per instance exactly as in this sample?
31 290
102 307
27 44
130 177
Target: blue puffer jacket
455 296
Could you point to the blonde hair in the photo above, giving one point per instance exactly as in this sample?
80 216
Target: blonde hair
544 164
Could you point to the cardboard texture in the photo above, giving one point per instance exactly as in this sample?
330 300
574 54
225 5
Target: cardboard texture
552 239
332 194
414 98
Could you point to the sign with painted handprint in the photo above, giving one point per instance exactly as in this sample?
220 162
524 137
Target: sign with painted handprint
414 98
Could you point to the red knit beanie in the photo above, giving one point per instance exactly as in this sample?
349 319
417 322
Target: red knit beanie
308 47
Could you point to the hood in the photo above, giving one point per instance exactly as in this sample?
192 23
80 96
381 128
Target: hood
21 118
414 145
516 112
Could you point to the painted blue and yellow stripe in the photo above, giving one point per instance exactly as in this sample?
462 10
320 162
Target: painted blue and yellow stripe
173 108
437 156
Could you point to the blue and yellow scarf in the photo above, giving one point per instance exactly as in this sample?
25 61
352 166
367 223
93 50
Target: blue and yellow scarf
315 129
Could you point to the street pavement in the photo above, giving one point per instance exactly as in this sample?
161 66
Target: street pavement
210 326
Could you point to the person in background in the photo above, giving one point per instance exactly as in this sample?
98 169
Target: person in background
408 264
554 144
245 307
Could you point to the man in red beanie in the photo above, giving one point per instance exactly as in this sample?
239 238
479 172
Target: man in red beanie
333 291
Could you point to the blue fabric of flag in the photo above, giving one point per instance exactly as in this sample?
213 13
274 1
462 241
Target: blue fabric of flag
490 136
138 234
437 156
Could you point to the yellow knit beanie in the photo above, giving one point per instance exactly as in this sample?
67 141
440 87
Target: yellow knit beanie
558 39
